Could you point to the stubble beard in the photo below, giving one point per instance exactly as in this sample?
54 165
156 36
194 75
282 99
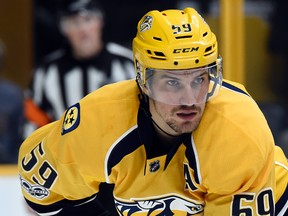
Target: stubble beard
177 126
185 127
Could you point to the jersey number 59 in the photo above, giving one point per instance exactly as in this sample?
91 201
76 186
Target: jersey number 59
46 174
264 202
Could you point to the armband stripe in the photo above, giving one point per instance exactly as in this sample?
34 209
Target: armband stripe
234 88
282 205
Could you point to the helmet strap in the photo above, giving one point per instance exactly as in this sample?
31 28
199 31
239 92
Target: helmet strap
144 100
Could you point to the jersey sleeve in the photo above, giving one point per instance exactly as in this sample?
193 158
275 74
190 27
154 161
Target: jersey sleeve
281 175
51 176
245 187
236 156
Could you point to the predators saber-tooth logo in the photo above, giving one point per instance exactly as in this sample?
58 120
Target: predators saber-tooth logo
146 24
160 206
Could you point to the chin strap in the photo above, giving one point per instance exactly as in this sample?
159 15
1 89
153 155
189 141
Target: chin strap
144 100
170 135
144 105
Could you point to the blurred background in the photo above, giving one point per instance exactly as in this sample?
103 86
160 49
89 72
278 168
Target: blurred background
252 36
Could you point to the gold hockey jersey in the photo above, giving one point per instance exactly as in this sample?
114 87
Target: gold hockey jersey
225 167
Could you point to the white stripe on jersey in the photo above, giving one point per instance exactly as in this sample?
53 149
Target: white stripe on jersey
112 147
53 91
130 70
119 50
38 85
95 78
61 80
284 210
49 213
196 160
281 164
117 71
73 86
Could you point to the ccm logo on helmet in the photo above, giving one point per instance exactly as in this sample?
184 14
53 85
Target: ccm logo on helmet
186 50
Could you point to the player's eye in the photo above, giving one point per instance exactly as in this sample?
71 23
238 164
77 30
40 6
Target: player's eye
173 83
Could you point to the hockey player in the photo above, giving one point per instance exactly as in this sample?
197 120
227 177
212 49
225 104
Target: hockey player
178 141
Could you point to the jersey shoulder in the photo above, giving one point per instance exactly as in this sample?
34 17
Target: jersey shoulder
53 57
58 58
234 132
235 111
119 50
100 118
235 104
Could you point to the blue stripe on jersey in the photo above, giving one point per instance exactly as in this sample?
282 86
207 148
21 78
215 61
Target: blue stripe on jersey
233 88
190 155
127 145
67 205
282 204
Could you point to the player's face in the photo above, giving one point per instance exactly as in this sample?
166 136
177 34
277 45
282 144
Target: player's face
177 99
178 119
178 87
84 32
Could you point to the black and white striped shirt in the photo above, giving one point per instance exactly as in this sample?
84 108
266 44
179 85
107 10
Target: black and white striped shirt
61 80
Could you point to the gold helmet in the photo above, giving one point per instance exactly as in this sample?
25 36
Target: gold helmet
174 40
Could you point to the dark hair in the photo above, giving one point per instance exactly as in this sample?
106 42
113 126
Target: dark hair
71 7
